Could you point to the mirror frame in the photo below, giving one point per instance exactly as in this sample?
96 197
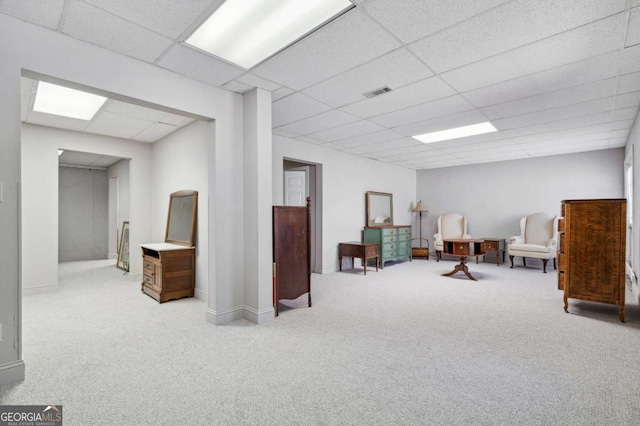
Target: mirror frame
371 215
194 210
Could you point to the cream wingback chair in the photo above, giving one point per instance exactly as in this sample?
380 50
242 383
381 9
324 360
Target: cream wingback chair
450 226
537 239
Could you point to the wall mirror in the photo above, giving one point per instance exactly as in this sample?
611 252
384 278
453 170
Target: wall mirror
379 208
181 220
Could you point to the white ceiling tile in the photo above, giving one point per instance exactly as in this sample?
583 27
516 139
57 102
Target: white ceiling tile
344 43
166 17
319 122
199 66
175 120
617 142
524 21
464 118
561 124
255 81
633 32
571 46
56 121
581 72
580 130
295 107
236 86
410 20
634 3
566 140
281 93
619 133
155 132
105 161
121 126
386 146
414 148
629 83
631 60
625 114
427 111
347 131
102 29
554 114
362 140
123 108
395 69
568 149
280 132
43 13
558 98
627 100
407 96
491 158
80 158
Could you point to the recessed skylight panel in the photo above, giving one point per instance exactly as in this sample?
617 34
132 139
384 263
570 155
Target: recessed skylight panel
246 32
59 100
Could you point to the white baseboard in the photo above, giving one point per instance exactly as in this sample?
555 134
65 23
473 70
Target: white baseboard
225 317
200 294
113 256
12 372
28 291
259 317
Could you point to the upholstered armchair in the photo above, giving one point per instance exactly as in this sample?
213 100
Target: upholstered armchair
537 239
450 226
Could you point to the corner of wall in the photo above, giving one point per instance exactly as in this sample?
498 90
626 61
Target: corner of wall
12 372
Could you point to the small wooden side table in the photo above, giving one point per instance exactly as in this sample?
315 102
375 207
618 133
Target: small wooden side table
463 248
360 250
494 245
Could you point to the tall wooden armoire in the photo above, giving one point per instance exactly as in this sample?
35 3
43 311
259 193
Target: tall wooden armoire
591 251
291 253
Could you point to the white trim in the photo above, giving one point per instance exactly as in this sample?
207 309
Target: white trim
201 294
259 317
225 317
29 291
12 372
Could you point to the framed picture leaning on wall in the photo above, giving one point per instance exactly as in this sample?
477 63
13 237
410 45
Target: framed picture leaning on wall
123 248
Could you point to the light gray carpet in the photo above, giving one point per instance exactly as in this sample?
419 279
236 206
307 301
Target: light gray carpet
403 346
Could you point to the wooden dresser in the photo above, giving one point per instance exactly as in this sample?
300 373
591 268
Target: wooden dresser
169 271
394 242
591 251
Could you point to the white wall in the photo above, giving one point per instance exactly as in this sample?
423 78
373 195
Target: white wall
345 180
494 196
40 195
178 164
120 172
83 214
634 144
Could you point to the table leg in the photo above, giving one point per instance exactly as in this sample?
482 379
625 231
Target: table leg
340 263
462 266
377 262
364 265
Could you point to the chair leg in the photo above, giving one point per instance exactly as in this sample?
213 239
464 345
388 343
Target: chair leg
524 261
554 264
544 265
511 259
438 255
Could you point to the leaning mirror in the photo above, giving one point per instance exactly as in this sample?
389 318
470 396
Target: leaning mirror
181 220
379 208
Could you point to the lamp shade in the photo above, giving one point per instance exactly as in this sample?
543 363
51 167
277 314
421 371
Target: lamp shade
420 207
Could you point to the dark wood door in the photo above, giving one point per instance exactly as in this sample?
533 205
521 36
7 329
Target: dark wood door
291 253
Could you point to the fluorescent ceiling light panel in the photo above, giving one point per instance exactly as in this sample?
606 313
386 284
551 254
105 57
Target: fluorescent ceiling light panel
246 32
58 100
455 133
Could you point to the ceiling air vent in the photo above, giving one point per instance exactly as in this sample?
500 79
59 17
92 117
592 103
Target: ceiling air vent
378 92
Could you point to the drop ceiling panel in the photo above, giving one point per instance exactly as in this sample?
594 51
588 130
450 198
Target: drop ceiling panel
625 114
102 29
106 161
631 60
582 130
175 120
347 131
43 13
294 108
439 108
155 132
368 139
50 120
581 72
78 158
281 93
629 83
137 111
414 148
633 32
555 99
199 66
395 69
575 45
410 20
380 147
255 81
525 22
236 86
571 123
122 126
554 114
166 17
318 123
344 43
407 96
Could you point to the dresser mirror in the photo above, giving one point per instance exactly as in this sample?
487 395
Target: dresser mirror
379 208
181 221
